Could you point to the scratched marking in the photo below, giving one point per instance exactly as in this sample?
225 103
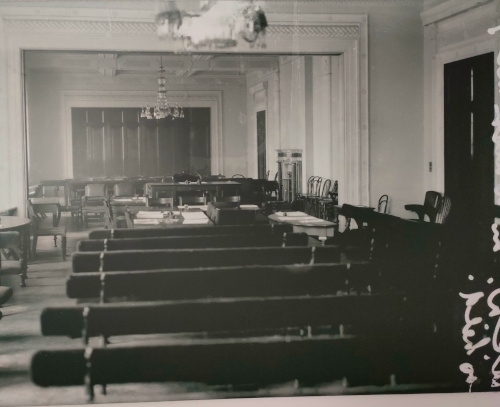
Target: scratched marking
467 332
468 369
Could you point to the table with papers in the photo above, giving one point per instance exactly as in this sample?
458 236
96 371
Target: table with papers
304 223
191 216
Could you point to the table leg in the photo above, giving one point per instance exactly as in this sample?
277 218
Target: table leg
24 250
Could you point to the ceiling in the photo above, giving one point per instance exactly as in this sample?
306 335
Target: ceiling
115 64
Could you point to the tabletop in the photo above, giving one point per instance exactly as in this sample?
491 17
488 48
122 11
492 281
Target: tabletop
13 222
46 200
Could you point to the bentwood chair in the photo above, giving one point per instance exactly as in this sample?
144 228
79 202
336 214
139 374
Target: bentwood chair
429 207
382 204
45 227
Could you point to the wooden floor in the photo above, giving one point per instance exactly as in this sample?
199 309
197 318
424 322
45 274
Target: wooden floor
20 336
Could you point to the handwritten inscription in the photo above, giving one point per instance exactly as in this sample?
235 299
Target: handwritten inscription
471 300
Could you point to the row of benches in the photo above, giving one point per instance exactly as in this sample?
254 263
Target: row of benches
238 315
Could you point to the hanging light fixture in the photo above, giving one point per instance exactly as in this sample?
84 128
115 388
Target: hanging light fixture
162 109
221 24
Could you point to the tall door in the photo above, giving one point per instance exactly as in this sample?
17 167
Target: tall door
261 143
469 149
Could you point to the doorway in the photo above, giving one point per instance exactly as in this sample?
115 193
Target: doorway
469 150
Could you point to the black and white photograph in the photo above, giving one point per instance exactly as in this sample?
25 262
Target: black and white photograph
249 203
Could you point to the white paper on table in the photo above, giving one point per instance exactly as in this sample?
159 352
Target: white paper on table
201 207
249 207
149 215
138 199
291 214
195 221
313 220
194 215
147 221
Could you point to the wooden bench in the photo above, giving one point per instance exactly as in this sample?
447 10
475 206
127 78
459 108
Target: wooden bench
240 281
193 242
377 353
210 257
360 312
180 230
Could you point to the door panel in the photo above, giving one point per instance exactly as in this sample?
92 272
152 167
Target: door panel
469 149
117 142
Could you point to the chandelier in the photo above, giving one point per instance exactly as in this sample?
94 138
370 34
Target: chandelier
162 109
220 25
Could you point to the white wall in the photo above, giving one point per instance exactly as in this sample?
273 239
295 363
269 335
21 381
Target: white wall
47 151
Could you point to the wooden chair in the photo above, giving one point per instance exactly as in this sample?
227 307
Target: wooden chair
124 189
8 240
191 199
208 257
93 202
198 231
44 227
193 242
429 207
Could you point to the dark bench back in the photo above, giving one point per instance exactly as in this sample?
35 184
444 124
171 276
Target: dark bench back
195 242
189 258
243 281
180 230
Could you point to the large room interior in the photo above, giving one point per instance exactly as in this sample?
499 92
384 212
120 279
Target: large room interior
330 166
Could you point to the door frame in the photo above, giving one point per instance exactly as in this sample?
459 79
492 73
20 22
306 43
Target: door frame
56 28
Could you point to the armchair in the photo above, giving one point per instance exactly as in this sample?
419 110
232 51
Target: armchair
429 207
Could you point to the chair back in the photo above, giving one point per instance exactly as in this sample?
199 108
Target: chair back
431 202
443 209
231 198
162 201
95 190
327 184
124 189
192 200
382 204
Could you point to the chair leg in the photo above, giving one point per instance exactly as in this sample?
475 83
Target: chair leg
33 247
63 246
55 240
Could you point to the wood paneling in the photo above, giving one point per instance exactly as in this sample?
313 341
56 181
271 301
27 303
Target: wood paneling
113 142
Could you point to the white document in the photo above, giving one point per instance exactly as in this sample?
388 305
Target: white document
253 207
292 214
195 221
147 221
194 215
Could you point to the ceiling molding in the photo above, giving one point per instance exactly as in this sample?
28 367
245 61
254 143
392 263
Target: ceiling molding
324 31
449 9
